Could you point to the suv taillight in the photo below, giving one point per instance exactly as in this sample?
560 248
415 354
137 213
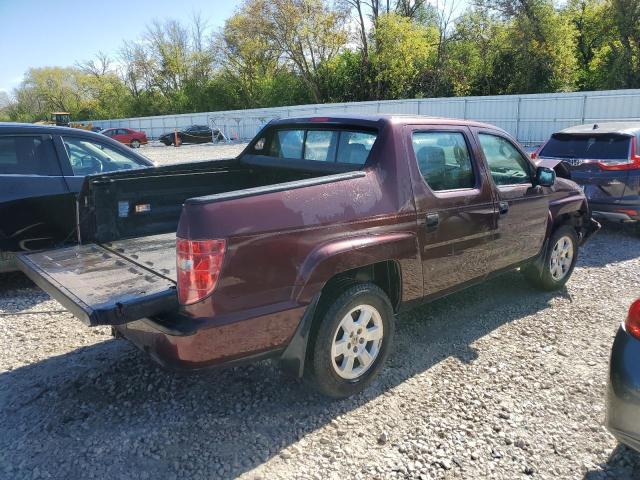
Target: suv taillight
632 324
631 164
198 265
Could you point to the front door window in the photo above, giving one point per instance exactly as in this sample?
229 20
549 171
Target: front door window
505 162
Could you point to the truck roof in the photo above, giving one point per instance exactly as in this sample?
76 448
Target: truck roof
622 128
376 119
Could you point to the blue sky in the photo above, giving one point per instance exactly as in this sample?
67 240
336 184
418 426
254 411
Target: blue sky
61 32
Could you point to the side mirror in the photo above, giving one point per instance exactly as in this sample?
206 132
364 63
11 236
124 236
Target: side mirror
545 177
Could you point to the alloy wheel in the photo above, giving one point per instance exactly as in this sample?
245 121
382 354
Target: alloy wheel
561 258
357 342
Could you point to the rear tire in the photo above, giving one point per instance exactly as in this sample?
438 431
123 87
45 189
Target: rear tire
135 144
558 262
352 341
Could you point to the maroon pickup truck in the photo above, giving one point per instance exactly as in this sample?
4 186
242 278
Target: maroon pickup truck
306 245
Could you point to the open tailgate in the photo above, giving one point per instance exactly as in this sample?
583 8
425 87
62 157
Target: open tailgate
99 286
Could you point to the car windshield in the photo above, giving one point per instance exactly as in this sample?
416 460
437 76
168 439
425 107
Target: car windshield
88 157
596 147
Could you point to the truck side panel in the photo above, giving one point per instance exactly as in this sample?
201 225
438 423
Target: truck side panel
282 247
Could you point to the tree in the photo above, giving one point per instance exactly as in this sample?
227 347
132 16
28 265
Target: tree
404 50
283 52
627 19
538 52
594 29
475 44
248 60
308 34
616 64
5 105
170 67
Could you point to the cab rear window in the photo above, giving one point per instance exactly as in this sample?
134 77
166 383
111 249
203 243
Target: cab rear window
317 145
596 147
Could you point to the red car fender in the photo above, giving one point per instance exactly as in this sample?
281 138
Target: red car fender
345 254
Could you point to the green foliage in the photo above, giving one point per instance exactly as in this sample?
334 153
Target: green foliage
535 49
285 52
345 78
594 29
404 50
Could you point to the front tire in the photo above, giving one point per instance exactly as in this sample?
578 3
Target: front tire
558 263
135 144
351 342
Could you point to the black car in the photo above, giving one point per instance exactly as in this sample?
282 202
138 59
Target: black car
623 393
193 134
605 160
42 168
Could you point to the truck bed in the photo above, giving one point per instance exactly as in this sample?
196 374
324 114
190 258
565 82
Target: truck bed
124 268
155 252
149 201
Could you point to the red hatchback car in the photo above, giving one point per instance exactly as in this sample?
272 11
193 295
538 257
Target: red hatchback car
127 136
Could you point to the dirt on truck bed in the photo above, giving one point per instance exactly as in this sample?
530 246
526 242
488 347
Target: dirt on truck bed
498 381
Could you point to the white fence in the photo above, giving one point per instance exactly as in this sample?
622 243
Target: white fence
529 118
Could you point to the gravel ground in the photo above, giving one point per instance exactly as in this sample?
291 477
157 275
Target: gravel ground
499 381
164 155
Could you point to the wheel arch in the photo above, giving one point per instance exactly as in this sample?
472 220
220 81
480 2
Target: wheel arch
386 274
377 258
573 211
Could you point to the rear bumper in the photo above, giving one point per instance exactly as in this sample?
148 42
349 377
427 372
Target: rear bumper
180 343
623 392
615 212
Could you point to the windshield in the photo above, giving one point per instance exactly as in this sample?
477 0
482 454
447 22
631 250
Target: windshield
88 157
596 147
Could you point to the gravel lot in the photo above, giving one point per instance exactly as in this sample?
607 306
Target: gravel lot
499 381
164 155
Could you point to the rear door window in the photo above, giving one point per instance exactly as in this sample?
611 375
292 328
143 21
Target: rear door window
287 144
354 147
319 145
443 159
596 147
28 155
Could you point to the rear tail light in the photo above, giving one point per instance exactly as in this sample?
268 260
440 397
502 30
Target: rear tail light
198 265
627 211
632 324
631 164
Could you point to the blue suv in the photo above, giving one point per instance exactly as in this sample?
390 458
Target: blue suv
605 160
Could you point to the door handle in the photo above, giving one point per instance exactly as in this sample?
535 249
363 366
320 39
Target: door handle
503 207
432 220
